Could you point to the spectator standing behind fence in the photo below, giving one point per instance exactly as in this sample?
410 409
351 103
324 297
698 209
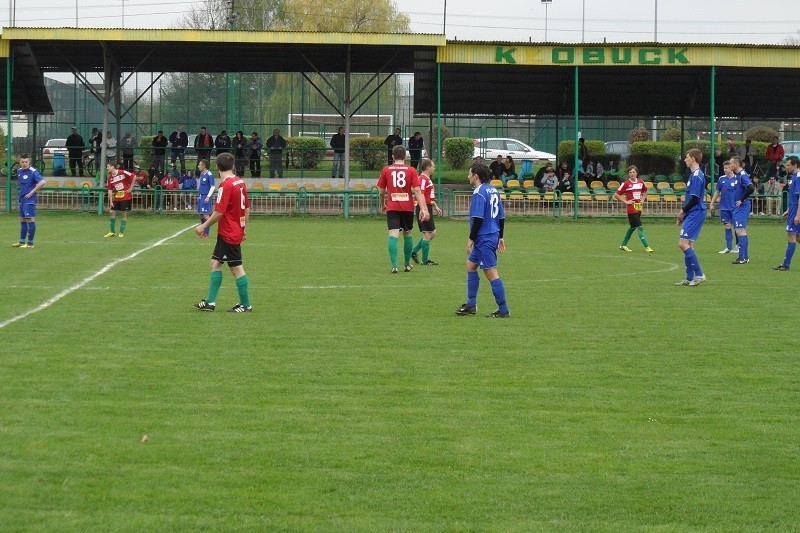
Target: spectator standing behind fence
223 143
391 141
239 152
254 146
276 144
128 147
583 152
774 155
337 143
189 183
95 141
203 144
159 152
747 154
773 191
179 141
415 146
758 196
111 146
75 146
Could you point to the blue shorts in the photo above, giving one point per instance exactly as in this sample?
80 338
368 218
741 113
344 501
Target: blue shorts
484 251
692 224
27 210
204 208
726 216
740 215
791 227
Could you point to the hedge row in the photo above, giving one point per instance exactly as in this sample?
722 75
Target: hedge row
566 150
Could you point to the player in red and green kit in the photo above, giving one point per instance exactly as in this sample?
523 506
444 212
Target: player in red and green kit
231 211
633 193
428 228
120 196
397 187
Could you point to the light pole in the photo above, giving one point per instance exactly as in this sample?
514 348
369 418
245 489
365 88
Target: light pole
444 19
123 14
583 22
655 26
546 3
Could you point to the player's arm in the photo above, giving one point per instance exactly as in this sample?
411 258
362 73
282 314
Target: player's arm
215 216
713 201
477 222
423 208
210 194
747 192
38 187
501 244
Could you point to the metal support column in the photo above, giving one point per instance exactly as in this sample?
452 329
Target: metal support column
115 83
9 133
575 167
346 113
683 125
713 122
438 128
106 96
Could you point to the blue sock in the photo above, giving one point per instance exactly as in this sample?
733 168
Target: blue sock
473 282
31 231
23 231
787 261
729 239
687 260
697 271
499 294
743 244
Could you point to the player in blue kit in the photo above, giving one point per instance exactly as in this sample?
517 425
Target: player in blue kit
724 193
487 221
742 189
205 190
792 214
691 218
30 182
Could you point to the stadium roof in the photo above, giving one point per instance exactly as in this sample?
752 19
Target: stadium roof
615 80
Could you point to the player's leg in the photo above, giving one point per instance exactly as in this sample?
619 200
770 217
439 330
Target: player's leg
23 228
743 242
112 223
791 244
123 222
418 246
242 287
470 307
395 226
728 238
427 237
489 263
408 240
215 281
31 230
631 228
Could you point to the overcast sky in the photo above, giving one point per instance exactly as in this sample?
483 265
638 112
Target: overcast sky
724 21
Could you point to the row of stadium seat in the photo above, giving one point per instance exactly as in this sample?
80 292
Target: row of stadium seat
258 186
69 183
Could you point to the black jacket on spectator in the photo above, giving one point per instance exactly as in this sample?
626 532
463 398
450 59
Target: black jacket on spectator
276 143
179 141
159 146
337 143
391 141
75 145
223 143
416 145
497 168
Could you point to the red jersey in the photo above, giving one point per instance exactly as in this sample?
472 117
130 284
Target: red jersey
427 188
119 186
170 183
232 201
398 180
635 192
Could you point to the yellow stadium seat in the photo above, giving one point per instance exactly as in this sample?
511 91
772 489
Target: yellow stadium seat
679 186
595 184
652 198
87 184
649 184
613 184
568 197
549 196
326 187
340 187
517 195
533 195
310 187
70 183
51 183
275 187
512 185
527 184
360 187
662 185
291 186
670 198
257 186
496 184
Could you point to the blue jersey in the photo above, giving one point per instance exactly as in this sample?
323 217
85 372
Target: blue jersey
725 188
206 183
794 194
740 183
696 186
486 204
27 180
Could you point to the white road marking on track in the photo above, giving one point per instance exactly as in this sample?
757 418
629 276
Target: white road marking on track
89 279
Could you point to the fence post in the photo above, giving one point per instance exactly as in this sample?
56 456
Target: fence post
346 206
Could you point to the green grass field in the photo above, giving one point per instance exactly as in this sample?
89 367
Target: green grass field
352 399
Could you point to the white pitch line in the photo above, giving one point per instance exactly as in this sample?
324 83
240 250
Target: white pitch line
85 281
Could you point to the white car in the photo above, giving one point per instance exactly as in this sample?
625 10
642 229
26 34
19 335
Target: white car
489 149
55 146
